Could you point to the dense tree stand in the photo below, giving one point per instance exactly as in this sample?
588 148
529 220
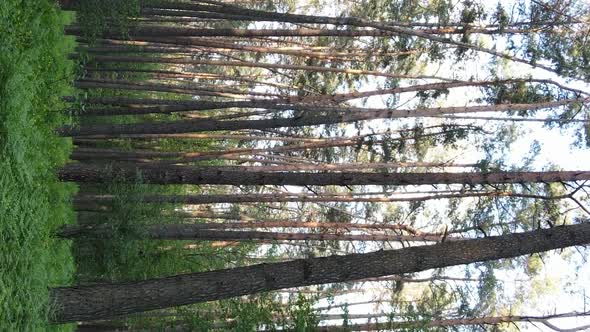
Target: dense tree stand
217 134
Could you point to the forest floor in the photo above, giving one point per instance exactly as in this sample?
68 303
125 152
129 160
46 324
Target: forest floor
34 75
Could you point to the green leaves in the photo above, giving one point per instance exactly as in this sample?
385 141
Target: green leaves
34 73
95 16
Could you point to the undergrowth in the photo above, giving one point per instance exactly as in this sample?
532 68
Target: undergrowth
34 74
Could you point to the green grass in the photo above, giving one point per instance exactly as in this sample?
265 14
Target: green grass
34 74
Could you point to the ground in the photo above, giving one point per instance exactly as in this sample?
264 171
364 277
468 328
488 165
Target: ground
34 74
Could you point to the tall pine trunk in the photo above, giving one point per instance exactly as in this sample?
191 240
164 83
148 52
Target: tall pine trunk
199 232
276 197
104 301
169 174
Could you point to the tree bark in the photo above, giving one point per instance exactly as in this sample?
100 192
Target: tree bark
175 31
170 174
187 45
104 301
281 224
82 200
184 88
251 64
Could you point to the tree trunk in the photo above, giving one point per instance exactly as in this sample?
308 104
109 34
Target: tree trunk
185 88
334 53
182 45
82 200
382 27
169 174
174 31
104 301
252 64
281 103
200 232
285 224
186 157
332 116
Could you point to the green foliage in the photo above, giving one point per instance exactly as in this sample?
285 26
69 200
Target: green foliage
518 93
434 94
34 74
559 37
96 16
501 17
415 10
251 314
487 289
345 318
416 316
471 12
124 257
303 316
415 142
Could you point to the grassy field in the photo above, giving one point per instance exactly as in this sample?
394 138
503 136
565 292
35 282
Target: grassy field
34 74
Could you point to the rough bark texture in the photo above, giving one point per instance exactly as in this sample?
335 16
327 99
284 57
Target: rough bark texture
158 174
104 301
